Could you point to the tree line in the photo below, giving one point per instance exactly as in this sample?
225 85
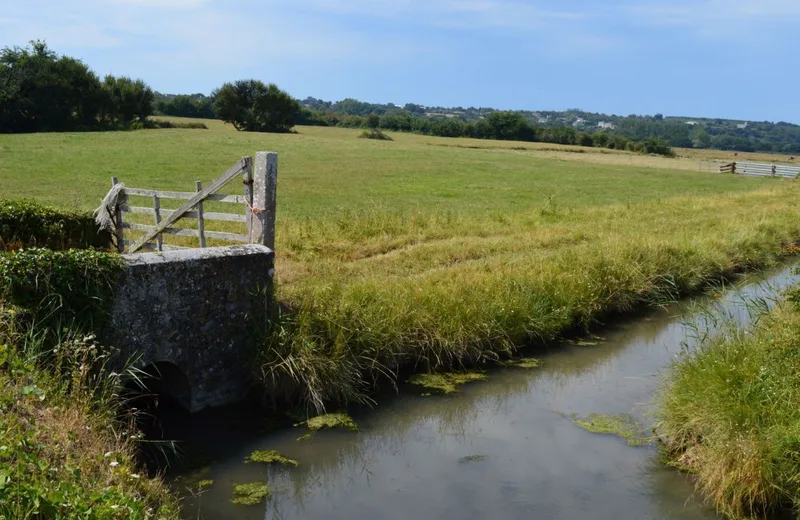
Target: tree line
501 126
684 132
41 91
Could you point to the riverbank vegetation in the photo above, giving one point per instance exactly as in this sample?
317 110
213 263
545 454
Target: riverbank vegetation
377 294
66 450
729 415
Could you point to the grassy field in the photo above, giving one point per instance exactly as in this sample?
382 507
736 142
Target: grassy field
326 170
729 414
429 253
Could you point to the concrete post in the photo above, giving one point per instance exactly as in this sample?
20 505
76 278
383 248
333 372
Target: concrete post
265 187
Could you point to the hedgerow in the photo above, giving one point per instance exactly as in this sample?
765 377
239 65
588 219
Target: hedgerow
25 223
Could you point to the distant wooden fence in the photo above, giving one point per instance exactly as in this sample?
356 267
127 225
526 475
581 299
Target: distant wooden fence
761 169
257 203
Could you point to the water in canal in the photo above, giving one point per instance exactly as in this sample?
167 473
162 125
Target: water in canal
501 449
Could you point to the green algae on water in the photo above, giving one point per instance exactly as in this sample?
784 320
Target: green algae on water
330 421
526 363
446 382
251 494
472 458
203 485
624 426
271 457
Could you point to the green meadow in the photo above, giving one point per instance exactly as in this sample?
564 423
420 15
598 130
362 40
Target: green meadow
430 253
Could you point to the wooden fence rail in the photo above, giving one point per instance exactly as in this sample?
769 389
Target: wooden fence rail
727 168
761 169
258 216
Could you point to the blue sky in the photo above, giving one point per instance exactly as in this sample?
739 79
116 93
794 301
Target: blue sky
719 58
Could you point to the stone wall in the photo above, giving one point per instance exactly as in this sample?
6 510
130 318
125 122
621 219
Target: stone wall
197 310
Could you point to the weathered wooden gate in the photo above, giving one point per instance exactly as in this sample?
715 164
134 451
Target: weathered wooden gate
258 202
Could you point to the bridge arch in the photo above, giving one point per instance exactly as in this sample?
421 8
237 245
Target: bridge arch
165 379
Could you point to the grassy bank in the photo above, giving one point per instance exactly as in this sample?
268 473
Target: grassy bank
66 448
429 253
377 291
64 453
729 415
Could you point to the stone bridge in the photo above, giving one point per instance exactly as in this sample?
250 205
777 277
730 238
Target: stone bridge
190 316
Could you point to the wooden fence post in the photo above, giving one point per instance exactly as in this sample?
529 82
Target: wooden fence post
265 186
157 213
247 182
118 222
201 227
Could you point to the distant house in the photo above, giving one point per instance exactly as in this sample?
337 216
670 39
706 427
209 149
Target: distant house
692 123
579 122
605 125
742 126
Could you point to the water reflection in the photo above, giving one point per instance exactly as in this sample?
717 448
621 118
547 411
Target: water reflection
504 448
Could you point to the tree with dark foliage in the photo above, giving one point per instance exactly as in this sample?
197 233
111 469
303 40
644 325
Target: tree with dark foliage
252 106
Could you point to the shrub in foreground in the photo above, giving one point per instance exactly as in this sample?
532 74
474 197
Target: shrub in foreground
25 223
729 414
63 451
54 285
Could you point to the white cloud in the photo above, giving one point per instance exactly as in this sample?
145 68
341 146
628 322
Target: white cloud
715 16
534 28
475 14
228 34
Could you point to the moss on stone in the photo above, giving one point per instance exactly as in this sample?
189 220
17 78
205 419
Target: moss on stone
446 382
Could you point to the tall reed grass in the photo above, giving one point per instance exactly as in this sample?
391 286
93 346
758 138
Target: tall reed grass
729 415
374 294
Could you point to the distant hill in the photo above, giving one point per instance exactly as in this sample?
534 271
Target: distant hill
684 132
678 131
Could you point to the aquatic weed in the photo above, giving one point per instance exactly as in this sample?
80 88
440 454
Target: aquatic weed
331 421
525 363
271 457
250 494
446 382
625 426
